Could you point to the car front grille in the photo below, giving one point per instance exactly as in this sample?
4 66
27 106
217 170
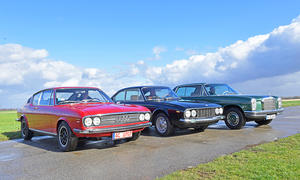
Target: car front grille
269 103
114 119
206 112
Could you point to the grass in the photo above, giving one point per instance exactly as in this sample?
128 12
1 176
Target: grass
290 103
275 160
9 127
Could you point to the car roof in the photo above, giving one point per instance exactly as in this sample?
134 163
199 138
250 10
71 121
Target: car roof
197 84
132 87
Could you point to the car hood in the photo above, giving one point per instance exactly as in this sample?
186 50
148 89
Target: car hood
104 108
190 104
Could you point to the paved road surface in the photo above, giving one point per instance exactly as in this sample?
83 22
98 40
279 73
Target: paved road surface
149 157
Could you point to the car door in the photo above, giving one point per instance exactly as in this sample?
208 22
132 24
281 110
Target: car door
42 111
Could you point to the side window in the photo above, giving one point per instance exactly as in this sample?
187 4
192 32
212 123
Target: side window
120 96
133 95
190 91
36 99
45 99
181 92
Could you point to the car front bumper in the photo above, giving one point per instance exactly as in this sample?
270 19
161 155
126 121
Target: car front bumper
202 120
113 129
261 114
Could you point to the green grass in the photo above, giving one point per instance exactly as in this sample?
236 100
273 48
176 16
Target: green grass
9 127
275 160
290 103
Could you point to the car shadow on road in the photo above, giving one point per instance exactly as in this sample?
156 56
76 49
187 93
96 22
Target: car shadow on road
178 132
49 143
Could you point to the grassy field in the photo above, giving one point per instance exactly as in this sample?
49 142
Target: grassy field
290 103
275 160
9 127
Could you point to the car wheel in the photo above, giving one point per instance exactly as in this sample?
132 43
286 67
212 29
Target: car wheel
135 136
26 133
162 125
67 141
201 128
264 122
234 118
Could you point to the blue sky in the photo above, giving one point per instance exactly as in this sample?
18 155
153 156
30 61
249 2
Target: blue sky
251 45
122 32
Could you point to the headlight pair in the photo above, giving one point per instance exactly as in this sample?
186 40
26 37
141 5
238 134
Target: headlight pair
190 113
219 111
92 121
253 104
146 117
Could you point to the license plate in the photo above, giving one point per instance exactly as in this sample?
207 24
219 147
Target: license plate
122 135
272 116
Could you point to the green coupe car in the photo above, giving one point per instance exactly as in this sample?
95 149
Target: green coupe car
238 108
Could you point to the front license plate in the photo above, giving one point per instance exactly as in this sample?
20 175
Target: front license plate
122 135
272 116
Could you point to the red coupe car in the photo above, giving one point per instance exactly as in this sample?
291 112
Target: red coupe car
74 113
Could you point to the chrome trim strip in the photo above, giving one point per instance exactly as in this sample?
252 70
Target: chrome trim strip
113 129
43 132
199 120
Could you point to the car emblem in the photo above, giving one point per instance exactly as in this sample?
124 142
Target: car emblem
123 118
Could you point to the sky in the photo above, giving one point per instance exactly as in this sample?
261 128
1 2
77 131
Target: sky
253 46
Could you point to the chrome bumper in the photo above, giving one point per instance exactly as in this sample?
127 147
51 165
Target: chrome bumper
261 114
113 129
202 120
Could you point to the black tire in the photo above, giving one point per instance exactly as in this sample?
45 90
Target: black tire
264 122
66 140
234 118
25 132
135 136
163 125
201 128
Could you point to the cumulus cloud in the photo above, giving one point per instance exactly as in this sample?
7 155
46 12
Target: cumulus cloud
157 50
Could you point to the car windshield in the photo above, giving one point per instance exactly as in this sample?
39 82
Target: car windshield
80 95
219 89
159 93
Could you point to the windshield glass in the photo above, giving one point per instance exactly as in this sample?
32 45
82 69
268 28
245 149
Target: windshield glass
219 89
159 93
80 95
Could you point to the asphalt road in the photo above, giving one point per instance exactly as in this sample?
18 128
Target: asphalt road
149 157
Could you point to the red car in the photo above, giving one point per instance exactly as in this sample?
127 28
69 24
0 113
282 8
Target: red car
74 113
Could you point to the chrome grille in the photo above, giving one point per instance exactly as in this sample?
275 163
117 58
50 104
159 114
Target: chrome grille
119 119
206 112
269 103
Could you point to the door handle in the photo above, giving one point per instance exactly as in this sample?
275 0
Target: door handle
35 108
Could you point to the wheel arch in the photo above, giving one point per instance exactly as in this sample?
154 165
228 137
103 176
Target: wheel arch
60 120
233 106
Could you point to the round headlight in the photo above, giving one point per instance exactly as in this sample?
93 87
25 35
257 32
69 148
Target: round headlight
221 110
147 116
96 121
194 113
187 114
88 121
217 111
142 117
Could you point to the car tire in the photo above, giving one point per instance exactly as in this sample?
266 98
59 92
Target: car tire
201 128
163 125
264 122
234 118
25 132
135 136
67 141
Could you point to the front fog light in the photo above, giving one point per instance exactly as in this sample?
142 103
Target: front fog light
187 114
142 117
147 116
194 113
217 111
88 121
96 121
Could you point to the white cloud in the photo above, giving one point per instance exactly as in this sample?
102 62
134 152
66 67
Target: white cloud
157 50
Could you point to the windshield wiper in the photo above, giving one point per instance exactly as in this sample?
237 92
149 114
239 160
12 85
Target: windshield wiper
66 102
92 100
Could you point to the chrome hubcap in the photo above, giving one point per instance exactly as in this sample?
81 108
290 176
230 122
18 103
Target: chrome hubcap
233 118
63 136
161 124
